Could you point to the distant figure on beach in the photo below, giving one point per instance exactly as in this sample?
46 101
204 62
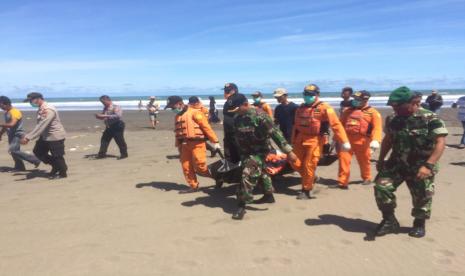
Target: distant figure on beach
416 138
434 101
460 105
260 104
191 131
213 112
231 151
140 105
112 116
284 113
14 129
346 95
152 108
51 136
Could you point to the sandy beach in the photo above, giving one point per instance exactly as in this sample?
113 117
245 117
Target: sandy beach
112 217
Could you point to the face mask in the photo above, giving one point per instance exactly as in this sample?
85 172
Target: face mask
34 105
309 99
404 111
355 103
257 100
176 110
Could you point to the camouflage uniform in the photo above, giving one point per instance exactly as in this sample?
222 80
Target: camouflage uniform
413 141
253 131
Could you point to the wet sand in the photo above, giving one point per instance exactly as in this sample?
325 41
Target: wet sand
125 217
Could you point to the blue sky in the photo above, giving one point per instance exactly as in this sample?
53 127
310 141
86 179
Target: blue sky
78 48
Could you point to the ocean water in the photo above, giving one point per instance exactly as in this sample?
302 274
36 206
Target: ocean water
378 99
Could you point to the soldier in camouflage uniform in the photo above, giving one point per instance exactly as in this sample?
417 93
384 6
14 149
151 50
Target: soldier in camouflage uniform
253 131
417 139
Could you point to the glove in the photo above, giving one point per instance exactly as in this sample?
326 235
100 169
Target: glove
346 146
374 145
217 146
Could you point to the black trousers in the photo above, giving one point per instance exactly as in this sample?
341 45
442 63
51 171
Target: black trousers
231 151
52 153
115 131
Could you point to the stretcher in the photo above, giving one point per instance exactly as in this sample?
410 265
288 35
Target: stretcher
224 171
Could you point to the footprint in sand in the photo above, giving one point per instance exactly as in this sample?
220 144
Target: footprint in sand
446 260
270 261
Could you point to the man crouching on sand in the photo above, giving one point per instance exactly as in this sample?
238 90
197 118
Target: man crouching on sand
51 134
191 129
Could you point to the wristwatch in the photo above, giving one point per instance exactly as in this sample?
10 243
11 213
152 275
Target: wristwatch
429 166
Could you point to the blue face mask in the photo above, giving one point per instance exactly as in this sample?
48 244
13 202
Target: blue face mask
257 100
34 105
356 103
309 99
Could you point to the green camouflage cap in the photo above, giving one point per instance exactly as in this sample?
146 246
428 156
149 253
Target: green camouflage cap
400 96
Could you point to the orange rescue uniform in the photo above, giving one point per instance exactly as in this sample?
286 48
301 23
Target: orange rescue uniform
192 129
311 125
265 108
362 126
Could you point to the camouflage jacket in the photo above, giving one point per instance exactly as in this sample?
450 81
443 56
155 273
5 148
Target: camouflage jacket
253 132
414 137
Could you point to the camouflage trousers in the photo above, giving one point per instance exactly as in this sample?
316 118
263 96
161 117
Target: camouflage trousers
422 191
253 171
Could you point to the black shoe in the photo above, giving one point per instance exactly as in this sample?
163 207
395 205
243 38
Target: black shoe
58 176
189 191
367 182
267 198
239 214
219 184
418 229
36 165
101 156
343 187
53 172
304 195
388 225
123 156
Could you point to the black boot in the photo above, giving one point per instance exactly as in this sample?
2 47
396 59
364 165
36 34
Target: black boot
124 155
218 183
389 225
267 198
304 195
418 229
240 212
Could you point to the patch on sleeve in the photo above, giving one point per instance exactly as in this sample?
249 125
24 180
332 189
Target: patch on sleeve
198 116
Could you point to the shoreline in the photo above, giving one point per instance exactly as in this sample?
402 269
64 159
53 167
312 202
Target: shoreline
76 121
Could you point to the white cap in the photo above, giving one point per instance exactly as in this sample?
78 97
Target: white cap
278 92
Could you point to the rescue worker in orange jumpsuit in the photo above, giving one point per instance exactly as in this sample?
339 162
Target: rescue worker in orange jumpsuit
192 129
312 121
195 103
363 125
260 104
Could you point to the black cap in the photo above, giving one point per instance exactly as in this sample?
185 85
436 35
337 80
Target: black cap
32 96
230 86
257 94
236 101
172 100
194 100
363 94
347 88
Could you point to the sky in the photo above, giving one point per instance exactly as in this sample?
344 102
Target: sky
90 47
